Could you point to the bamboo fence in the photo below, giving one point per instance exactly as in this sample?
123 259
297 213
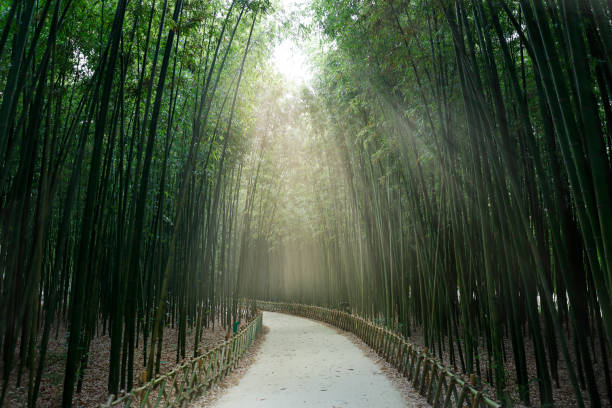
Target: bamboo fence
190 380
440 386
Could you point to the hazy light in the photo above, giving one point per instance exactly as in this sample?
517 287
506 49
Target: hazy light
291 61
289 57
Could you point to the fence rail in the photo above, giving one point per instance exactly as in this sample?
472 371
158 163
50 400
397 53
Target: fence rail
190 380
438 384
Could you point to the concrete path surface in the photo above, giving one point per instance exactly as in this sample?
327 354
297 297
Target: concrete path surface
303 363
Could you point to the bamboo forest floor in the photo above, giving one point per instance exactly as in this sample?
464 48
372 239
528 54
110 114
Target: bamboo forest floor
94 390
563 393
306 363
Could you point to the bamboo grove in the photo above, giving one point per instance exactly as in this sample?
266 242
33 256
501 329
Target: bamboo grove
454 184
123 132
447 173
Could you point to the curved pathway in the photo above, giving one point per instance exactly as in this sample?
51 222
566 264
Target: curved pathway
303 363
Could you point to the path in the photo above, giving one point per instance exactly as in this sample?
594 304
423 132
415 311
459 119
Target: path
303 363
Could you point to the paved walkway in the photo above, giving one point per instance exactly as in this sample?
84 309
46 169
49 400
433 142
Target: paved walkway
303 363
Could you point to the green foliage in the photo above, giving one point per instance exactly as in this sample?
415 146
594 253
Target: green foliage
449 187
108 165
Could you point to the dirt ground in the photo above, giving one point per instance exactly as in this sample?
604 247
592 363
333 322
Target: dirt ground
563 394
94 390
